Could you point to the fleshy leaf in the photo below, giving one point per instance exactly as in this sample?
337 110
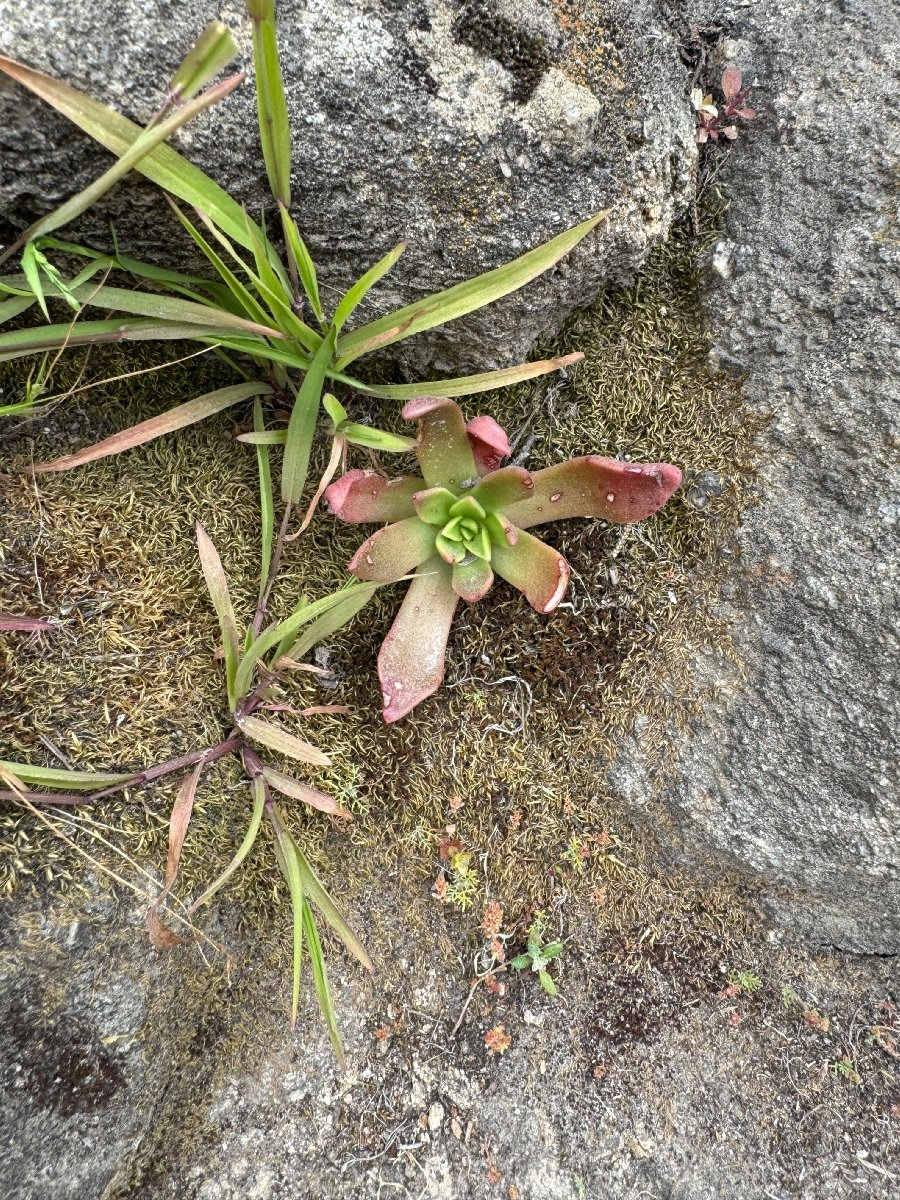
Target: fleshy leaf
489 442
442 449
596 487
433 505
500 489
362 497
394 551
472 579
411 661
535 568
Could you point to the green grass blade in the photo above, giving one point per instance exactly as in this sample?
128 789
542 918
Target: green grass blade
303 263
320 981
146 431
15 305
54 777
463 298
266 500
165 308
284 631
163 165
329 910
213 50
259 797
22 342
217 586
355 295
265 437
343 611
286 852
277 291
468 385
247 302
302 425
263 351
142 145
271 102
32 275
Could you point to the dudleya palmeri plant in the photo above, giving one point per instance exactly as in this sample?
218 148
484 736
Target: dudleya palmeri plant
466 518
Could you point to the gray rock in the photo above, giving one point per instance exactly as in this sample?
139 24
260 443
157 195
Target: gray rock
793 773
476 131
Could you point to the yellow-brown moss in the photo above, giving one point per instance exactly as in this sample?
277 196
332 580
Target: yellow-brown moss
510 754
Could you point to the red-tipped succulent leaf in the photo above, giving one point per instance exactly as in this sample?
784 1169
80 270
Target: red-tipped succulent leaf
365 497
490 445
411 660
596 487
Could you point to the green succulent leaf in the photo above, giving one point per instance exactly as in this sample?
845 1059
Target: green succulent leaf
521 961
547 983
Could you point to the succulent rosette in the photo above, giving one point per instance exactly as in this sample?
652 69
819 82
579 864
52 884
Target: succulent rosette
465 520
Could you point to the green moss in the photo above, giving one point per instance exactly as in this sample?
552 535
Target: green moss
510 754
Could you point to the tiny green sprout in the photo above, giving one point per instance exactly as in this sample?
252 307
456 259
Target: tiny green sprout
745 981
789 997
537 956
845 1068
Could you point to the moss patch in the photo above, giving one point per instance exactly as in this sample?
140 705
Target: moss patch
510 755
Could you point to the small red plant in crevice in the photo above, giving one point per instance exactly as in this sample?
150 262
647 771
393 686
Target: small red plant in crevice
715 119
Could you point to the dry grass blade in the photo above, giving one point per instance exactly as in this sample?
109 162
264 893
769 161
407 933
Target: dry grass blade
267 733
469 385
217 586
167 422
301 791
161 937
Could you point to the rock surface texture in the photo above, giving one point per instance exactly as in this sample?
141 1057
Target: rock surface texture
474 130
793 773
